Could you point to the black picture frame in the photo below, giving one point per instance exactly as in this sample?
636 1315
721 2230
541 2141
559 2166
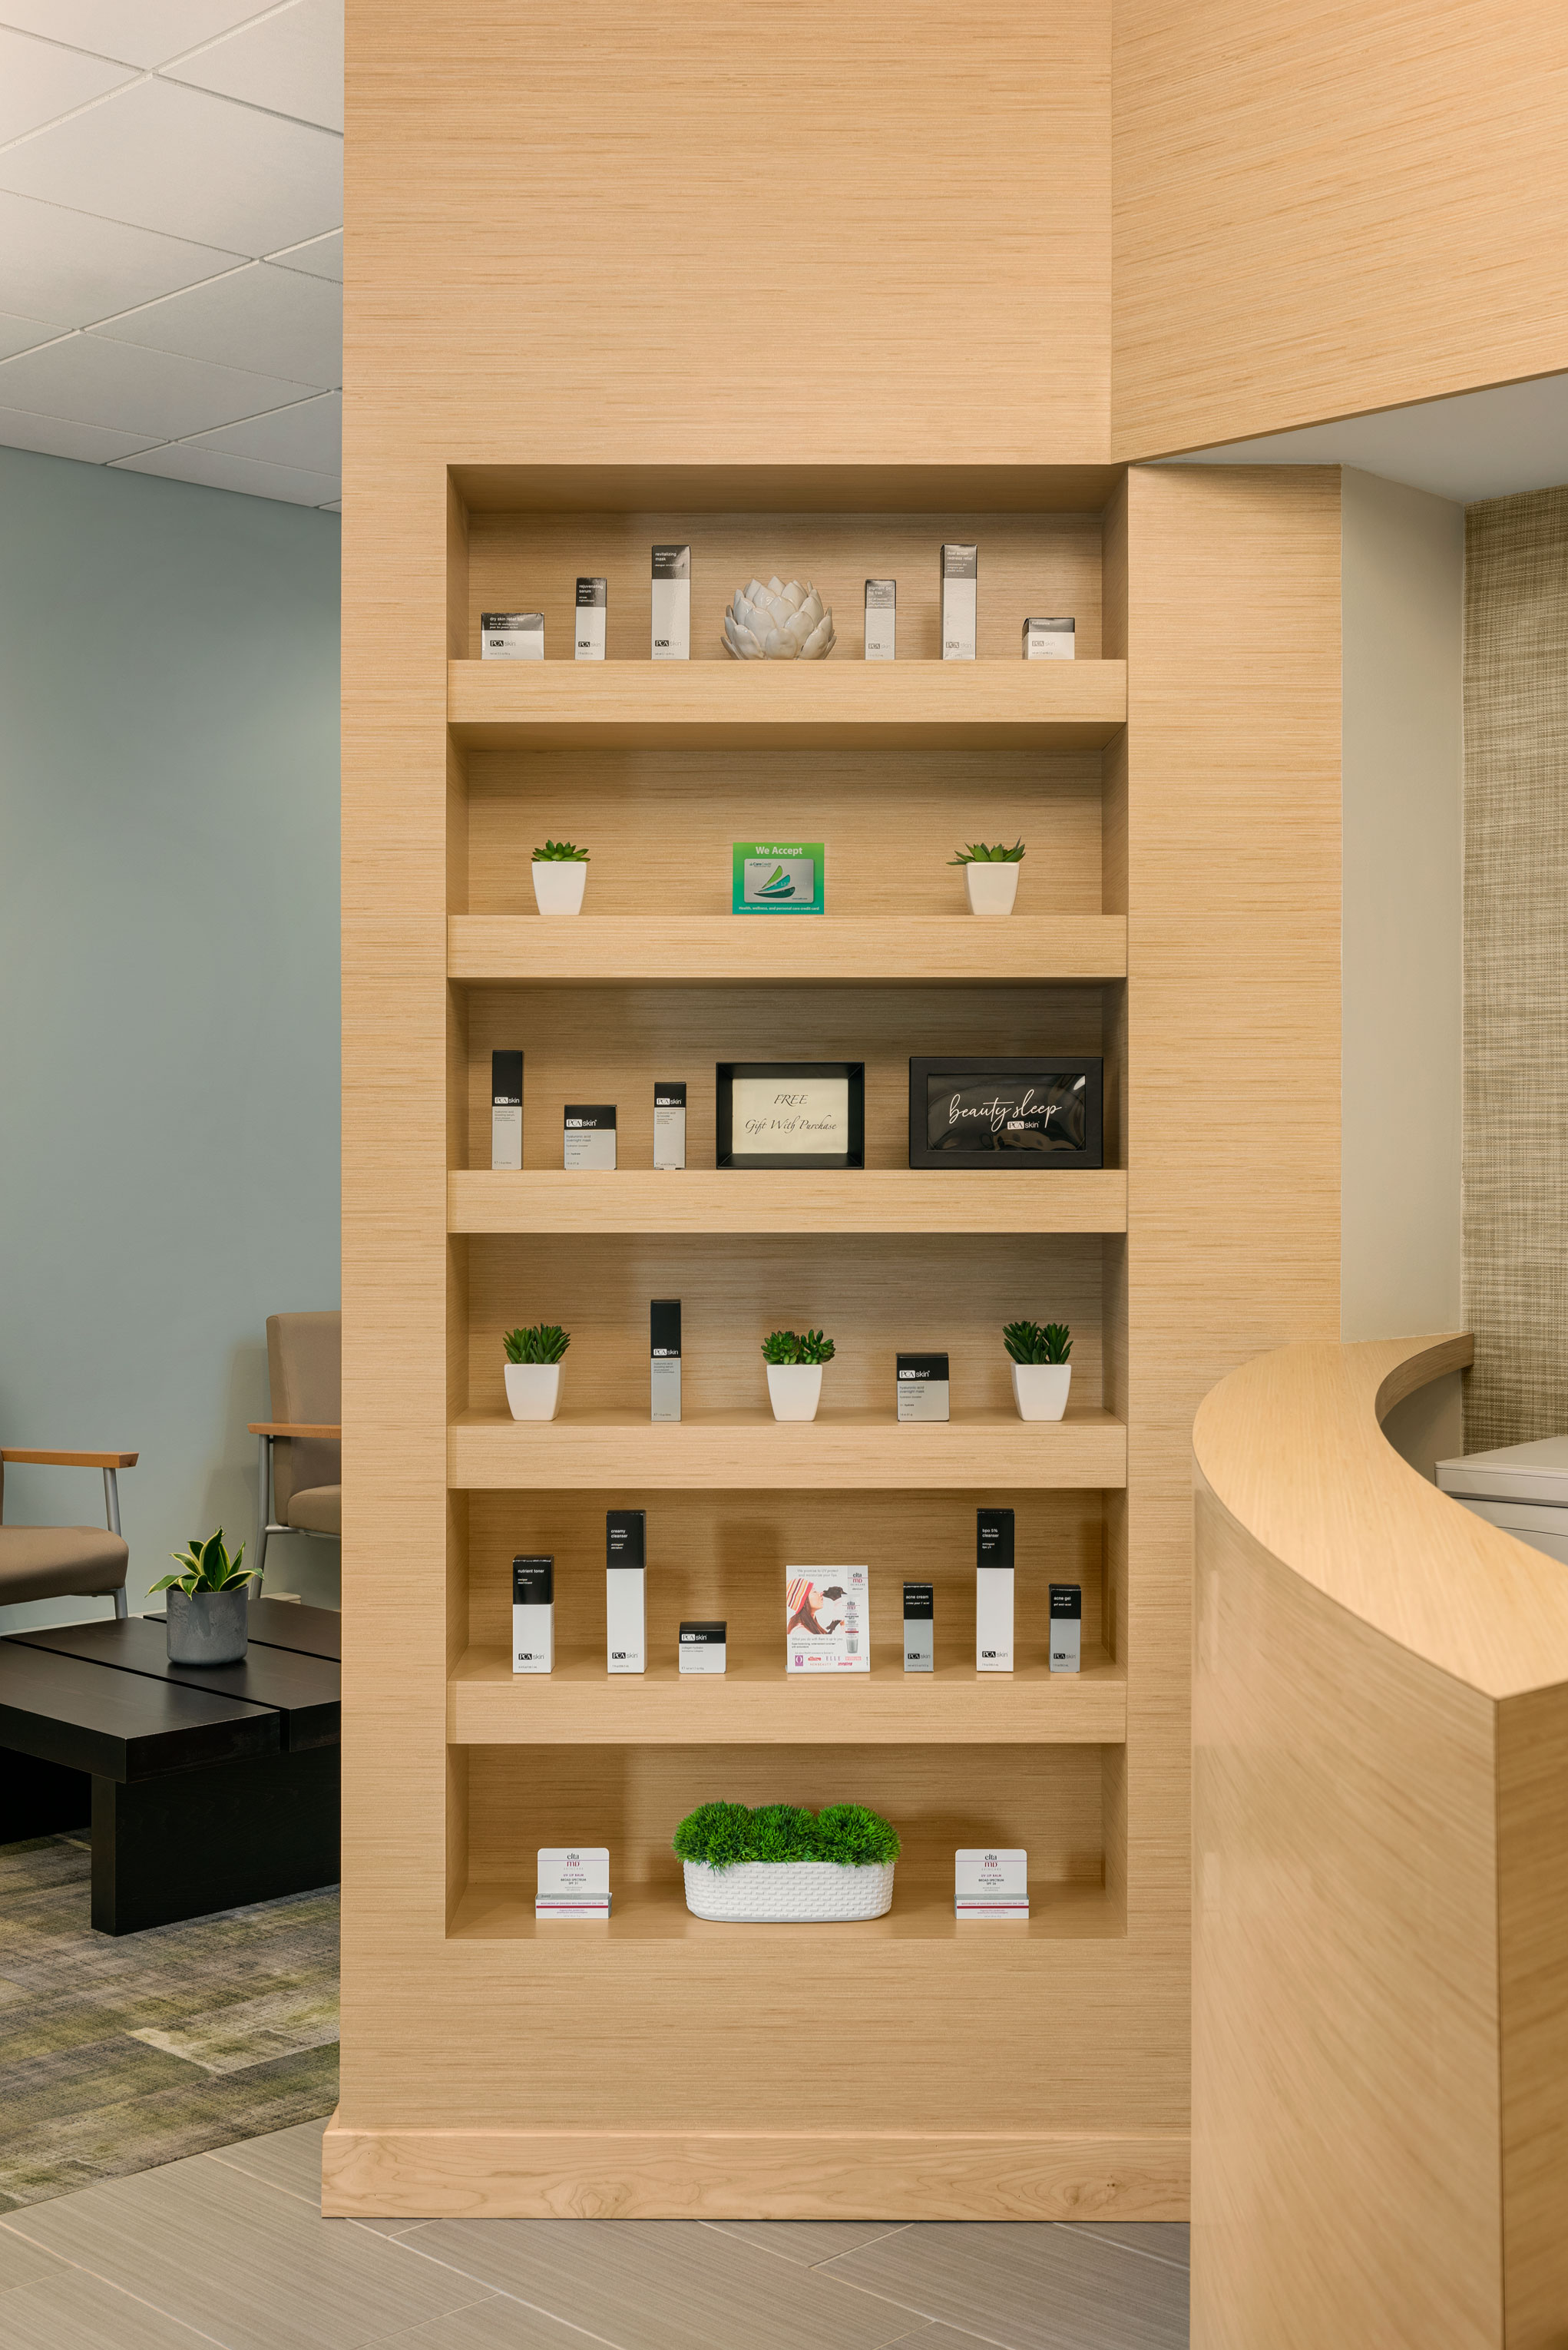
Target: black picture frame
725 1074
1007 1073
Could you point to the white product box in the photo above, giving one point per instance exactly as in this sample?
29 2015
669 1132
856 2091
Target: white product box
993 1884
1066 1626
672 603
506 1111
512 636
533 1614
626 1591
702 1647
920 1627
588 1138
592 613
827 1619
881 618
922 1387
994 1591
573 1881
1049 640
961 580
669 1122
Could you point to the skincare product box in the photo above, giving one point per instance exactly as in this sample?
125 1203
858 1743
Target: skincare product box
994 1591
589 1137
512 636
991 1884
778 877
672 603
960 578
506 1111
592 613
669 1122
533 1614
626 1598
664 1357
574 1881
1048 639
702 1647
1066 1626
920 1627
922 1387
827 1619
881 618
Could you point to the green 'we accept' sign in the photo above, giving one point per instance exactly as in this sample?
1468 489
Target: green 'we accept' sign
774 877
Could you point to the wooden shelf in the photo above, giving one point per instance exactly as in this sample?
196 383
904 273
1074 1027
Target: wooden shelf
922 1911
759 1704
760 1200
700 949
742 1450
1052 706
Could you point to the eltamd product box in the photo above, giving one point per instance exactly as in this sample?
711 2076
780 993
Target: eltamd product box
1049 640
990 1885
592 613
960 578
672 603
669 1122
702 1647
827 1619
574 1881
506 1111
994 1591
881 618
589 1137
922 1387
920 1627
1066 1626
664 1357
533 1614
512 636
626 1598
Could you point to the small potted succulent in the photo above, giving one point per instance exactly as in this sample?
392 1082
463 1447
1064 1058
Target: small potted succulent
795 1361
534 1372
1041 1373
781 1865
560 876
205 1624
990 874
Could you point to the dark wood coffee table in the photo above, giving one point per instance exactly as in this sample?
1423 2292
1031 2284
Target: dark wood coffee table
206 1786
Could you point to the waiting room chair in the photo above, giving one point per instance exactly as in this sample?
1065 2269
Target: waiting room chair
66 1562
300 1460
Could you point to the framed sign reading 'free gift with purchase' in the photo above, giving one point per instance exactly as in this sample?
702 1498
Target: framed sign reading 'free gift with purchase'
790 1114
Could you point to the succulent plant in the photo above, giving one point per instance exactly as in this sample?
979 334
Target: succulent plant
560 852
1037 1342
797 1347
207 1567
542 1342
779 623
977 852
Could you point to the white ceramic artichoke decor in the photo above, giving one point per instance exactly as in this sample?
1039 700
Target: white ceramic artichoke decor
778 622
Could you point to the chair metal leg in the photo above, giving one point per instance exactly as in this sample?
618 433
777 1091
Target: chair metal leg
263 1509
121 1605
112 1511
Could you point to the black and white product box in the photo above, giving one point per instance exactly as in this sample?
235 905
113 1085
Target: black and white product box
922 1387
1066 1626
1049 640
591 614
664 1357
512 636
881 618
506 1111
990 1885
702 1647
994 1591
533 1614
961 580
920 1627
672 603
669 1122
626 1591
573 1882
827 1619
590 1138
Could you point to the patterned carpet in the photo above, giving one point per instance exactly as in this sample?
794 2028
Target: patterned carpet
120 2053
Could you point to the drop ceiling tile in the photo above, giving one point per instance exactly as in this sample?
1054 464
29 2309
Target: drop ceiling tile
322 258
308 436
72 268
146 33
23 334
189 165
39 81
291 62
185 461
270 319
54 437
153 395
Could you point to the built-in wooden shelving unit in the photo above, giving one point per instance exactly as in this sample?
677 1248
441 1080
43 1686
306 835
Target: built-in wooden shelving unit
703 950
923 1913
767 1200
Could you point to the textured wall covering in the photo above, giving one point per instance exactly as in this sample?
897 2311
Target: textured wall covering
1516 967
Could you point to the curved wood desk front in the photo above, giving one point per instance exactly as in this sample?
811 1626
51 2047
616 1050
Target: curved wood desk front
1380 1858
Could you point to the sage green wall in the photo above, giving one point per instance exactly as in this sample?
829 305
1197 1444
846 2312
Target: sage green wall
169 1054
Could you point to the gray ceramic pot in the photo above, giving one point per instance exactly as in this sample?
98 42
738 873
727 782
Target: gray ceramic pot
207 1627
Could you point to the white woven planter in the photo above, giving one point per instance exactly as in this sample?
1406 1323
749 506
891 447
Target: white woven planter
788 1892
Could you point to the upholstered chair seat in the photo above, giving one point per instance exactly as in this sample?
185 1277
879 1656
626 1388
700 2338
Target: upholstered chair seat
59 1563
317 1511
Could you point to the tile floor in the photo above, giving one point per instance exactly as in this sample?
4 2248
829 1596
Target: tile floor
228 2248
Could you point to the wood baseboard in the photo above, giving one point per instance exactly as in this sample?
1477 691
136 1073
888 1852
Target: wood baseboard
441 2174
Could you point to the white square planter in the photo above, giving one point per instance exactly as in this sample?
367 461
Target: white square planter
991 887
1040 1390
558 886
795 1390
789 1892
534 1389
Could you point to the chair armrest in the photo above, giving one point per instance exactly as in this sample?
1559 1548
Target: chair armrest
72 1459
290 1428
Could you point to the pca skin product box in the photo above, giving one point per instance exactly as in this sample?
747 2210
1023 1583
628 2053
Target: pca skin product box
702 1647
589 1140
1049 640
512 636
669 1122
922 1387
672 603
664 1357
506 1111
592 613
991 1884
574 1881
994 1591
626 1594
827 1619
1066 1626
533 1614
960 578
881 618
920 1627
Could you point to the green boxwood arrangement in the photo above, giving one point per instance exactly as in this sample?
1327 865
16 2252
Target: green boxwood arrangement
724 1835
542 1342
1037 1342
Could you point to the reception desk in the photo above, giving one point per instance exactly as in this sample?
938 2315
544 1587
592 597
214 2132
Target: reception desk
1380 1949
